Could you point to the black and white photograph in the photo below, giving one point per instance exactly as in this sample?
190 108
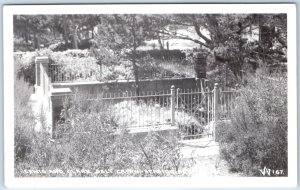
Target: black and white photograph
153 94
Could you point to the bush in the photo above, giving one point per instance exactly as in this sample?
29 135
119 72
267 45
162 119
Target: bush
25 67
84 65
60 46
256 137
89 139
162 54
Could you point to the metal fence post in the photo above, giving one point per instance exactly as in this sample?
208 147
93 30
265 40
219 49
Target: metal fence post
173 105
100 71
177 99
215 111
208 105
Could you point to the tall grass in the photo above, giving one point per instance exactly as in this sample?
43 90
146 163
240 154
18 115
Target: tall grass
23 119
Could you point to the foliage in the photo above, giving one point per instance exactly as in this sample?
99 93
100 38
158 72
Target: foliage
25 62
257 136
59 46
24 119
162 54
101 64
24 66
89 145
229 38
43 30
32 28
225 38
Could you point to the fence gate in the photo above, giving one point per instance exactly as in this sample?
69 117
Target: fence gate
194 113
202 109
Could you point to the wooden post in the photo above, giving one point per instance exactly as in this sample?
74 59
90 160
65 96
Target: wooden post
173 105
215 111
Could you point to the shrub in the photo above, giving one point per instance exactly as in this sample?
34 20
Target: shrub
162 54
84 65
91 140
256 137
97 140
25 67
60 46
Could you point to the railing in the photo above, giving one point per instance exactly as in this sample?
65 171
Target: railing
192 110
145 109
162 70
59 75
226 102
199 108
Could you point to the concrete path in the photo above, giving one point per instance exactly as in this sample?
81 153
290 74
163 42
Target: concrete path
206 158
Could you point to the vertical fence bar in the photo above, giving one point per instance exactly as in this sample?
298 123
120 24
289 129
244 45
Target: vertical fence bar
208 107
172 105
216 114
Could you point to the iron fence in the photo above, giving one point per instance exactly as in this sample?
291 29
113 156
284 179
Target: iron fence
147 71
139 110
193 111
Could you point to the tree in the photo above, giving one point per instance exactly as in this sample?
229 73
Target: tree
31 25
71 26
223 36
124 34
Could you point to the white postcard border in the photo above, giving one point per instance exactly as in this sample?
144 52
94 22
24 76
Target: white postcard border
11 181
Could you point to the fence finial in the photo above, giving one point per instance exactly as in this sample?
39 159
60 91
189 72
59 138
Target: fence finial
215 109
216 85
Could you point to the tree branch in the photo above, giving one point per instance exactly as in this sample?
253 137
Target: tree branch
178 36
193 40
197 29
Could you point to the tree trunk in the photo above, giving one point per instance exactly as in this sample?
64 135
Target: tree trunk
92 32
26 32
161 45
36 41
75 39
54 33
136 73
65 36
135 67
